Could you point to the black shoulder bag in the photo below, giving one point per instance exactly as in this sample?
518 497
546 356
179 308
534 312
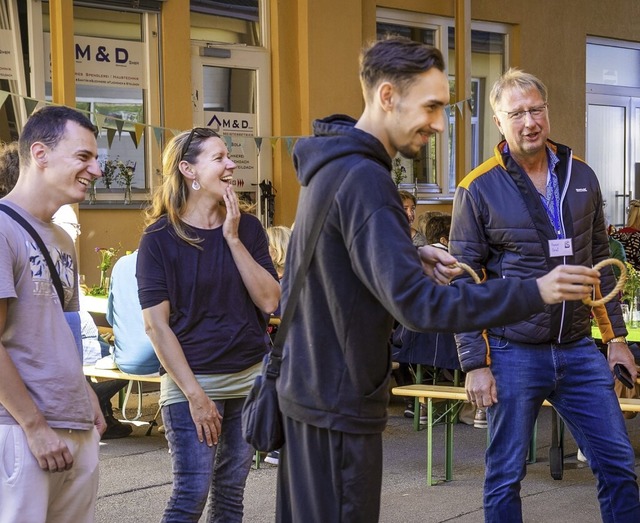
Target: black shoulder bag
57 282
261 416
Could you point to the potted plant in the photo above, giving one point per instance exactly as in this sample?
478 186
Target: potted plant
109 171
398 171
630 292
124 178
107 257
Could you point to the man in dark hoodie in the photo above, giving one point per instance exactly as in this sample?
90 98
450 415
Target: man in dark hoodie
334 381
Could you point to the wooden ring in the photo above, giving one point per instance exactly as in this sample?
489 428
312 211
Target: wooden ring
464 266
621 281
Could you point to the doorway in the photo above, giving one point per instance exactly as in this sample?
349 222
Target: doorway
231 94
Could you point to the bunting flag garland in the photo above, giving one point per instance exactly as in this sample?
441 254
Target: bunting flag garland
112 125
3 96
30 105
100 118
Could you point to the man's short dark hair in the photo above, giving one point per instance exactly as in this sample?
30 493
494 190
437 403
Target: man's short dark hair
438 227
397 60
47 125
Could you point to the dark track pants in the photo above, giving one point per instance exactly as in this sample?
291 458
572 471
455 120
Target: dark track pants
327 476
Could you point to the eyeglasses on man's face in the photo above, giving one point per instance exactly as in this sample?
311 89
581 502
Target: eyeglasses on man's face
202 132
535 112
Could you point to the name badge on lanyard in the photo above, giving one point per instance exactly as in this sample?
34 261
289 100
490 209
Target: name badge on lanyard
560 247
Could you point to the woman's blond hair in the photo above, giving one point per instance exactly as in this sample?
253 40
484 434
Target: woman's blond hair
279 236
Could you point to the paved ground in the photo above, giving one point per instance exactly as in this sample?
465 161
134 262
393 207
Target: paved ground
135 479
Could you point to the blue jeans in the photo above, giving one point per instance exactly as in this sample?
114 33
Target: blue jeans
576 379
219 472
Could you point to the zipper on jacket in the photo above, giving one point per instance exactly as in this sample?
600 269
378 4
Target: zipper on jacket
564 258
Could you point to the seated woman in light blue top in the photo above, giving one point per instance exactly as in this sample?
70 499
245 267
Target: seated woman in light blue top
133 349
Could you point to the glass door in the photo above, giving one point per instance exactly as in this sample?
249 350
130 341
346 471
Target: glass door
611 152
231 94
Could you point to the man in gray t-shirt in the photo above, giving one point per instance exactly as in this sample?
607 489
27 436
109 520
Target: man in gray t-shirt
47 408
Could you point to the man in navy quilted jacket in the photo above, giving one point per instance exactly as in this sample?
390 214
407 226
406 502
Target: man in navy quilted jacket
531 208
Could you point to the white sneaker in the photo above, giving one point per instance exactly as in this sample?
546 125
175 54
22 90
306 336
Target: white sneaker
581 456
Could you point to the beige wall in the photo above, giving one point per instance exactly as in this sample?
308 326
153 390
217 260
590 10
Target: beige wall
315 47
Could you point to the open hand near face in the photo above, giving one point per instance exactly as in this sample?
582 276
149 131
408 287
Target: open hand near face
568 283
232 219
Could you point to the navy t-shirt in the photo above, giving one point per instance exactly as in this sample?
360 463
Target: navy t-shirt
220 329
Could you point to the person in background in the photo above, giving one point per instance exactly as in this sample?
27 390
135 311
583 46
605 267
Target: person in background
56 479
424 218
206 286
629 236
532 207
437 231
9 167
333 387
133 350
409 203
105 390
278 236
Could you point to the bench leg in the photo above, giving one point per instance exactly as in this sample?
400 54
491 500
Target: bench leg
429 442
448 456
416 401
153 422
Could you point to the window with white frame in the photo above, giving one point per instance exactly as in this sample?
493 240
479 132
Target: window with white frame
431 177
116 55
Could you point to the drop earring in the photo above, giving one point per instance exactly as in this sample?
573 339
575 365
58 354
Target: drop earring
195 185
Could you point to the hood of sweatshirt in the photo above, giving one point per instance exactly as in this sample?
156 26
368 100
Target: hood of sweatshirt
308 158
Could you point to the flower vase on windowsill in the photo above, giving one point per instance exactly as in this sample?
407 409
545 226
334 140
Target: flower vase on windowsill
92 191
125 178
127 194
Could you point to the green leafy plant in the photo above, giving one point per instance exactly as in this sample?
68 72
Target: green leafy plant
398 171
107 258
632 285
109 171
126 172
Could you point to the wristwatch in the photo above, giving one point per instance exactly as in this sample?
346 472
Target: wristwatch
619 339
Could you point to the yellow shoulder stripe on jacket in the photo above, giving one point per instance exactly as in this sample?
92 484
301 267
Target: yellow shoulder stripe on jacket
478 171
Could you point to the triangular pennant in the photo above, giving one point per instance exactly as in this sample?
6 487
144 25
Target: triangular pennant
139 131
290 143
447 110
3 97
256 139
30 105
100 118
228 140
119 126
459 107
157 132
134 138
175 132
274 141
111 133
470 104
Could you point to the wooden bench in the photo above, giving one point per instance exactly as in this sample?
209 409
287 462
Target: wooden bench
455 396
115 374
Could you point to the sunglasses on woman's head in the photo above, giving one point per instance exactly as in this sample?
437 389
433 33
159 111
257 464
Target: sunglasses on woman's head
202 132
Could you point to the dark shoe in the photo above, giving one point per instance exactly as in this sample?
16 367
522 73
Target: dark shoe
273 457
115 429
